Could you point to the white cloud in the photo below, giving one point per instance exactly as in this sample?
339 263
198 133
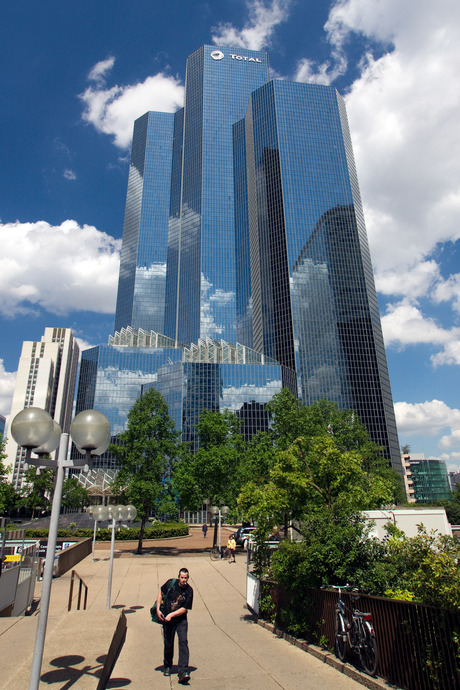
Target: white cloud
112 380
404 324
234 397
222 297
448 290
451 352
209 327
414 283
7 384
309 71
113 110
403 114
83 344
429 418
452 440
58 268
100 69
69 174
258 30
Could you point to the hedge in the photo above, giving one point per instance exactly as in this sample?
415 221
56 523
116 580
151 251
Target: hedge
161 531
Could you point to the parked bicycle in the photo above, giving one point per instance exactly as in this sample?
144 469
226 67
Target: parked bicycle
354 631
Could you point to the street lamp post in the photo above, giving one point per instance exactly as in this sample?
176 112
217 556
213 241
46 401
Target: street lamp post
99 514
219 511
35 430
118 513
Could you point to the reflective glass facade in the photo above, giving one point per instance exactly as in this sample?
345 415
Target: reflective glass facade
142 279
190 387
430 480
201 269
111 378
314 306
244 224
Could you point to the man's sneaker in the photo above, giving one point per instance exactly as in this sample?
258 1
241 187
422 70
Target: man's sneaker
183 677
166 671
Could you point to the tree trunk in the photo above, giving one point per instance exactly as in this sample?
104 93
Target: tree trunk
285 526
141 535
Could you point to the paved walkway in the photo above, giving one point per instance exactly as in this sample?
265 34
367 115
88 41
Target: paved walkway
227 648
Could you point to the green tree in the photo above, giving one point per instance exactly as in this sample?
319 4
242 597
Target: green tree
212 472
323 459
452 507
37 489
425 565
74 495
256 460
291 420
8 496
146 452
310 477
335 549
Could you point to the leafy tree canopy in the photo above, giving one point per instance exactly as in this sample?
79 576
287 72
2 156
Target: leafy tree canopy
37 489
8 496
338 549
74 495
323 460
426 566
212 472
146 451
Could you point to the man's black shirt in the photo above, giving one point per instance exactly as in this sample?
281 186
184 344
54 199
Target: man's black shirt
178 597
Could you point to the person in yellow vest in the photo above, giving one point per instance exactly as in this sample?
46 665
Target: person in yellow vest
231 548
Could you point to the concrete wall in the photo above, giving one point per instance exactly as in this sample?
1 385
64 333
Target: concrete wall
407 519
73 555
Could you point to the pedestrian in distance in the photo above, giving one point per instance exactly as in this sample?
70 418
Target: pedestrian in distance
178 600
205 529
231 548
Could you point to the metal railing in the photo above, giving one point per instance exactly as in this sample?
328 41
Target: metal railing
419 645
81 584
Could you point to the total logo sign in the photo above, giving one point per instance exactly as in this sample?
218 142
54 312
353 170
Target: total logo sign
218 55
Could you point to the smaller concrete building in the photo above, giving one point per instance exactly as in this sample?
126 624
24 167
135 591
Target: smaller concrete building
408 520
46 378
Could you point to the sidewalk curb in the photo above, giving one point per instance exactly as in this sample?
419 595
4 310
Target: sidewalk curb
328 658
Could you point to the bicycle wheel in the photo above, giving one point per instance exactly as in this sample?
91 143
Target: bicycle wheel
368 652
215 553
341 643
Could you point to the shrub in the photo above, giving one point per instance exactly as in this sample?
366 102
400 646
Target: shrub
160 531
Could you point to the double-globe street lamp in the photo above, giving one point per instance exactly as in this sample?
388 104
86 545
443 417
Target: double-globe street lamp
218 512
115 513
35 430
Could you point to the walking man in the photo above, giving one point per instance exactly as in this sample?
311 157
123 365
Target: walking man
178 600
205 529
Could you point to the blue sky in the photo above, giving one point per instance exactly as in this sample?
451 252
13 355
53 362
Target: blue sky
75 77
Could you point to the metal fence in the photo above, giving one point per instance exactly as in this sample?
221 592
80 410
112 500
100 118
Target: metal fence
419 645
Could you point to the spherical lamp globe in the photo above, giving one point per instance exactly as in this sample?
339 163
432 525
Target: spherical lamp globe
31 427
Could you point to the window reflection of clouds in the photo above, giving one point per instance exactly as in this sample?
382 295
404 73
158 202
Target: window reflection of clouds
213 306
233 397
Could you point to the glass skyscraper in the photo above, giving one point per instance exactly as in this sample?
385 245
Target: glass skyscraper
313 300
201 295
142 279
244 225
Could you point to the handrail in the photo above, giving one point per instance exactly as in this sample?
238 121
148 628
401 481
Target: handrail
81 585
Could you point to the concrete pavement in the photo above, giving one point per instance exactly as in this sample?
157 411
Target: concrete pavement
227 648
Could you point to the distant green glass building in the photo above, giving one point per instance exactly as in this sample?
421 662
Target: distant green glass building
428 479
